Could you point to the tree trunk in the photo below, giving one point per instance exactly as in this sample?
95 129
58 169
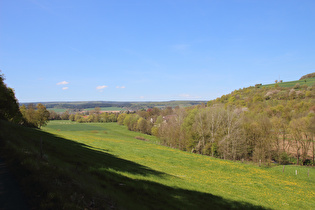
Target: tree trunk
297 153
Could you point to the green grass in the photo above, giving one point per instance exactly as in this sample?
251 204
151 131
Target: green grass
105 164
309 82
57 110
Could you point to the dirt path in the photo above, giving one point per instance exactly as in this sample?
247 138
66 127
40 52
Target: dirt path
11 197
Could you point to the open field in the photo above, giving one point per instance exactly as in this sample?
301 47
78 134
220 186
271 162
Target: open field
107 109
105 164
308 82
57 110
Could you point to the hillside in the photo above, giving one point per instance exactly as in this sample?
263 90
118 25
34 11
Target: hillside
103 166
272 94
311 75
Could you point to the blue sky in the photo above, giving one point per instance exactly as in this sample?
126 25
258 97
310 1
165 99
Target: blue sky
152 50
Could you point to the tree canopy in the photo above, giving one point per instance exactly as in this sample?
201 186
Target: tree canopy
9 107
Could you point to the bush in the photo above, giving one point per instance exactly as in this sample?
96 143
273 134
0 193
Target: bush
307 162
297 86
284 158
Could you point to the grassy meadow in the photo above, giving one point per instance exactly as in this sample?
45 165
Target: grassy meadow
104 166
57 110
308 82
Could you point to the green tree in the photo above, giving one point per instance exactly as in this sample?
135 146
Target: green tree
72 117
30 115
121 118
9 107
42 115
53 115
65 115
142 125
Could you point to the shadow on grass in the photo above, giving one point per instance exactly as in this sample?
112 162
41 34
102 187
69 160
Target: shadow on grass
73 175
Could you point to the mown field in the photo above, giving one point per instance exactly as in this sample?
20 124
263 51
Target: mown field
105 166
308 82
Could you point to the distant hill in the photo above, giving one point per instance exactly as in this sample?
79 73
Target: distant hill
263 98
81 105
311 75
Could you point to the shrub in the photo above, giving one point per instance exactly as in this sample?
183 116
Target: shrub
292 94
297 86
284 158
308 94
300 94
307 162
257 98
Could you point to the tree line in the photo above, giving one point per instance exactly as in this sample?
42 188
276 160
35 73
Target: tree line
249 124
85 116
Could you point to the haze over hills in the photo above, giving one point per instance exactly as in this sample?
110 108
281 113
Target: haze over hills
126 105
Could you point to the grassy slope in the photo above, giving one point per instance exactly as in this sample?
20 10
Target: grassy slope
308 82
104 164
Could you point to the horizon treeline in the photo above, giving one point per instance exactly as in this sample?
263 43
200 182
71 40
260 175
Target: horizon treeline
95 115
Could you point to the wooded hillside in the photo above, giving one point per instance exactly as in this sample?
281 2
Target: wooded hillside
261 123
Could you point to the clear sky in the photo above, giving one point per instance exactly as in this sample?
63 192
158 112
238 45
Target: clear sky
152 50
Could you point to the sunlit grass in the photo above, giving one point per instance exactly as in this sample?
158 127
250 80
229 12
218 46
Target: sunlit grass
268 187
